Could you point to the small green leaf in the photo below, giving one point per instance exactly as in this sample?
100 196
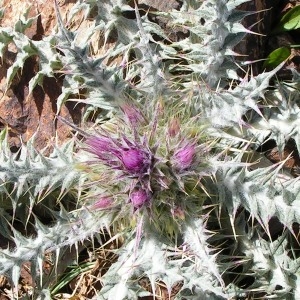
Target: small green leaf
277 56
290 21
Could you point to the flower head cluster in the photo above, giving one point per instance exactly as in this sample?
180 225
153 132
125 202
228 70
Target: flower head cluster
145 168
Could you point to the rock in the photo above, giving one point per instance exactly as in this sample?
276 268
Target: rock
253 46
160 5
24 114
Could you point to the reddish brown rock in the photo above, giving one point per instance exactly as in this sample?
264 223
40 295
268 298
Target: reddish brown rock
26 114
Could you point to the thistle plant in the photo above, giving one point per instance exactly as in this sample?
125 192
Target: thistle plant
152 183
170 166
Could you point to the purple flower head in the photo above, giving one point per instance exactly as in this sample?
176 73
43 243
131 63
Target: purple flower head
134 160
139 197
184 157
121 154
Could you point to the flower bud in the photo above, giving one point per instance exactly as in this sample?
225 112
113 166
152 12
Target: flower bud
103 202
184 157
139 197
133 114
174 127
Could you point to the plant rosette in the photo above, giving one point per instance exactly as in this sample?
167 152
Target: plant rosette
148 167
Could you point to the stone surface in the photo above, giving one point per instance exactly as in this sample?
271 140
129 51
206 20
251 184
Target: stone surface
253 47
25 114
160 5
